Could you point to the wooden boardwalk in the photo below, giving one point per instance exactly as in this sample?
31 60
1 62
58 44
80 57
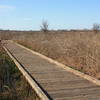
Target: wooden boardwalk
49 80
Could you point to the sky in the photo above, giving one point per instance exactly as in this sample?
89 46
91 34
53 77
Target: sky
60 14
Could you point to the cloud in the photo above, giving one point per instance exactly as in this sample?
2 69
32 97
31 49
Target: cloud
6 7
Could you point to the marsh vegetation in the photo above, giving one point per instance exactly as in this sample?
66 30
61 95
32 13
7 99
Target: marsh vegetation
13 86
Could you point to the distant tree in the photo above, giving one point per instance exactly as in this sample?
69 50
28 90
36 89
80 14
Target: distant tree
96 27
44 26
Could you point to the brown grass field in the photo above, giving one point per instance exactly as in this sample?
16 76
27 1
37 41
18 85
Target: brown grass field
78 49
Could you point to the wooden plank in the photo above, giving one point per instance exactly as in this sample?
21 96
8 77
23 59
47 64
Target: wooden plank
84 97
66 85
75 92
56 80
56 75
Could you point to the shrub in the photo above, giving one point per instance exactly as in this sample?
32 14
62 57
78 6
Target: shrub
44 26
96 27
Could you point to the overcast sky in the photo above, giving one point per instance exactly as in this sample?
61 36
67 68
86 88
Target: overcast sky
60 14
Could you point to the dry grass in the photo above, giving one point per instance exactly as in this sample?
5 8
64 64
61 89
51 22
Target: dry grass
79 50
13 86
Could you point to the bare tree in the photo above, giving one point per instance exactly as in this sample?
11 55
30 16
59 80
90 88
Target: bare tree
96 27
44 26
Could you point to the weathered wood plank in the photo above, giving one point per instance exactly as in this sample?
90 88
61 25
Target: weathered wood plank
66 85
75 92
